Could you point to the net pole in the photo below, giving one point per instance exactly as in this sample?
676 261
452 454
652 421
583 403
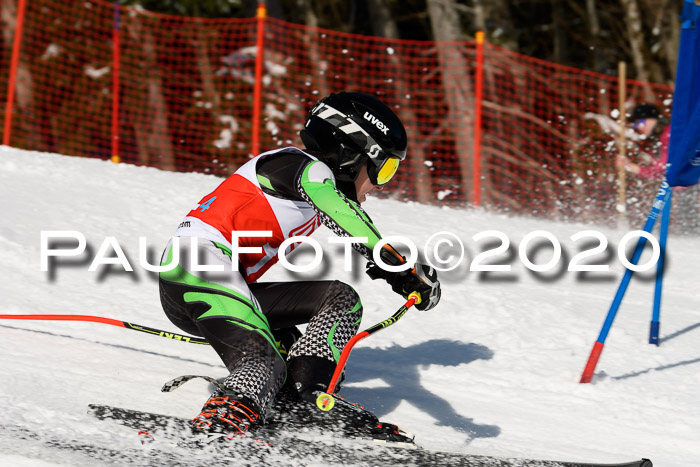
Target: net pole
622 143
116 62
257 89
14 63
478 96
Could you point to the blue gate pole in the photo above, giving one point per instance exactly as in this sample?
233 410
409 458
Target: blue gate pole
663 236
662 198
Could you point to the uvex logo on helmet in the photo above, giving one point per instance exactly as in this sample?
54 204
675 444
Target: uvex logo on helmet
376 122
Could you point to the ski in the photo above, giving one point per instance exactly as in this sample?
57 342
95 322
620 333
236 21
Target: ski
347 419
50 446
299 445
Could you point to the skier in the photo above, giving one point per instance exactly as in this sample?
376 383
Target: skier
648 123
353 146
655 130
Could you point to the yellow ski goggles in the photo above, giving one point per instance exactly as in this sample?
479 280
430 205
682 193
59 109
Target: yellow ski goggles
382 174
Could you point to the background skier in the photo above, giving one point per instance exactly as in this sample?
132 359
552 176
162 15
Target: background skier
655 131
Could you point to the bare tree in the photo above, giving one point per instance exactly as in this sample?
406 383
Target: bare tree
560 33
316 56
382 20
456 84
206 70
24 88
594 30
635 37
384 25
493 12
664 27
152 130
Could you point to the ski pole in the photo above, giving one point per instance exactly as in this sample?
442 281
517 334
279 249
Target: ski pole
325 401
113 322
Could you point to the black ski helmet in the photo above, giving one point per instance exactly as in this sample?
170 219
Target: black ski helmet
347 128
644 110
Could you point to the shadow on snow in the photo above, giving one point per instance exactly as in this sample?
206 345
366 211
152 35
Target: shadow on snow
399 368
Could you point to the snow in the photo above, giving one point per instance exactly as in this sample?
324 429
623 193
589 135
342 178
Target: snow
494 369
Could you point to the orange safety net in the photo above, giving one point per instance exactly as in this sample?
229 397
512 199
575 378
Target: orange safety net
185 102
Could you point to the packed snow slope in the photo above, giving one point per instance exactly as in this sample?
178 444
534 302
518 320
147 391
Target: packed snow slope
493 369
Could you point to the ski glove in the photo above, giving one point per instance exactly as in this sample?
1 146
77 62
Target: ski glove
422 279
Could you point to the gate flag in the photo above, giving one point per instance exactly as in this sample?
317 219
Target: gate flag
684 146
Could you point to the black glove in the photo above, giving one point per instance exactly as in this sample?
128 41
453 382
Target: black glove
421 279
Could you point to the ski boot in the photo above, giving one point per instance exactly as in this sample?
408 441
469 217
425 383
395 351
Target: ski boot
229 415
